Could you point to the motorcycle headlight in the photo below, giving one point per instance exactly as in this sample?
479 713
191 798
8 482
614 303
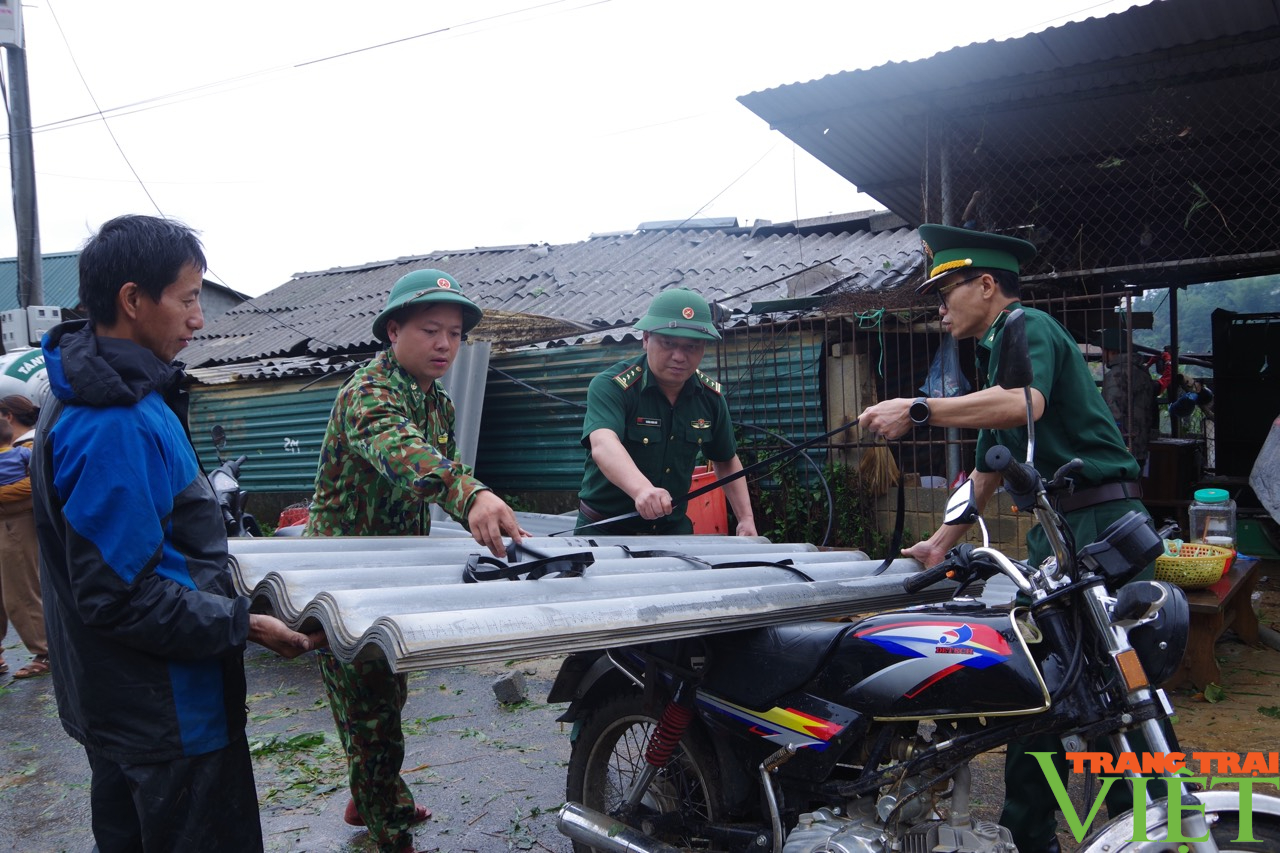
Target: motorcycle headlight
1161 642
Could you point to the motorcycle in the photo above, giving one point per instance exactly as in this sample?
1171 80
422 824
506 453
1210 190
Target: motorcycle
857 737
225 480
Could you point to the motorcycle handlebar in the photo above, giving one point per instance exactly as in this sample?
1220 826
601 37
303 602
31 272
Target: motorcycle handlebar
912 584
1020 477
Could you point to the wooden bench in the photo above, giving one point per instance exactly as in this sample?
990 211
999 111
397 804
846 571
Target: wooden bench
1226 604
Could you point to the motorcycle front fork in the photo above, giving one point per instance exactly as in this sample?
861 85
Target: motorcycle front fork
1194 822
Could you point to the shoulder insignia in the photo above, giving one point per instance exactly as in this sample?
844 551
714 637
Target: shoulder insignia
628 377
709 383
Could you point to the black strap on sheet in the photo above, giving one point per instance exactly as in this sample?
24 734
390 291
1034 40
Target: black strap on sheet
895 544
787 564
560 566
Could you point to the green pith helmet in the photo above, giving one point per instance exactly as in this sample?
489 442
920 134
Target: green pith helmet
680 313
426 287
948 248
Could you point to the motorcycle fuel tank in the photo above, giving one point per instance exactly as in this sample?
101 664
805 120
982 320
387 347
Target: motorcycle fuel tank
938 664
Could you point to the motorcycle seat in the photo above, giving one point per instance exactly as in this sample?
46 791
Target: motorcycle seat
755 668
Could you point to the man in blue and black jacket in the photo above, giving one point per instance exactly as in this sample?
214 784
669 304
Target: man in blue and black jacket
146 632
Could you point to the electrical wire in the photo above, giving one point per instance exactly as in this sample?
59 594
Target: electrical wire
102 115
208 88
89 90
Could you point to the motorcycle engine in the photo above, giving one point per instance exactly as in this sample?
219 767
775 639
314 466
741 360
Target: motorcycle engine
824 831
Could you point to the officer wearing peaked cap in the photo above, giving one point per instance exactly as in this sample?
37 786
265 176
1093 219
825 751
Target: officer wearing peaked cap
647 421
388 453
975 276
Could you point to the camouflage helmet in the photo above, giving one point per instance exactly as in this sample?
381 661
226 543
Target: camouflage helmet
680 313
424 288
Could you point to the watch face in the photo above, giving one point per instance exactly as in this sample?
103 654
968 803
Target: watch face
919 412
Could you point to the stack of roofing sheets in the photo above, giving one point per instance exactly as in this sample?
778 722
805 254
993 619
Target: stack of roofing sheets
405 597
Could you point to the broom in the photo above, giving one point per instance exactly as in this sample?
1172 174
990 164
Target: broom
878 470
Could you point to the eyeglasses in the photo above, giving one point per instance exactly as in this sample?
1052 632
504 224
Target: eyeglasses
943 291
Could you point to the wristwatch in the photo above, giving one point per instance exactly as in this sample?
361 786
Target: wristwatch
919 411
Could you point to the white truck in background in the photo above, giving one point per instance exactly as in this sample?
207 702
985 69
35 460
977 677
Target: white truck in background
22 364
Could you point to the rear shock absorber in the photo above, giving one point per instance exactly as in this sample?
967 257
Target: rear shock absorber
663 741
666 737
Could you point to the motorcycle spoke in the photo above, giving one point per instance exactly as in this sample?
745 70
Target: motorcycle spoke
677 800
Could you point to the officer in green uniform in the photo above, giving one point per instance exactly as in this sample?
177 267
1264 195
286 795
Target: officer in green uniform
975 275
389 453
647 421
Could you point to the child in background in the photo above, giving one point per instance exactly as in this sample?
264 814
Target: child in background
19 554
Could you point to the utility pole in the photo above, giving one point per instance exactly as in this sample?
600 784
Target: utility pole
21 158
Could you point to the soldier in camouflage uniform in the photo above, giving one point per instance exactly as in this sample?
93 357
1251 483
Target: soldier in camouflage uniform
388 454
647 421
1129 392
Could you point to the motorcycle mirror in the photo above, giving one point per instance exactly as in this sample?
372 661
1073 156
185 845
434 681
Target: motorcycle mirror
219 436
1015 361
961 506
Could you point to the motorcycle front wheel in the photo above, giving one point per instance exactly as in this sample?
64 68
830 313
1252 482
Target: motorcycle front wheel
1118 835
609 753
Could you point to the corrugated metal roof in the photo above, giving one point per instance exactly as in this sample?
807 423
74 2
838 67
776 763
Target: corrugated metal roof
60 279
871 126
603 282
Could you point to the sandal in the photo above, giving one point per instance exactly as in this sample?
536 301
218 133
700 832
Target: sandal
4 667
39 666
352 816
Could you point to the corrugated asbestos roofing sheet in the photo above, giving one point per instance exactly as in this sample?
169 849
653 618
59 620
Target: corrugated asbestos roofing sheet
405 598
869 125
542 292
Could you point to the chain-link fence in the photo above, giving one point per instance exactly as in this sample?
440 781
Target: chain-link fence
1131 178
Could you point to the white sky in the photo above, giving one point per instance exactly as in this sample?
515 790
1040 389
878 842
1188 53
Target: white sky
479 123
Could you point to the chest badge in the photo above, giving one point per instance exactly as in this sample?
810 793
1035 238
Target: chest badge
700 423
649 422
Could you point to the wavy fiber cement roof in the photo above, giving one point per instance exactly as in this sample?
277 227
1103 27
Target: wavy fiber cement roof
543 292
404 598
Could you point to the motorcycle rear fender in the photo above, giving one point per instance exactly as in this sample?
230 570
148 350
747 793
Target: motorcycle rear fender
1117 836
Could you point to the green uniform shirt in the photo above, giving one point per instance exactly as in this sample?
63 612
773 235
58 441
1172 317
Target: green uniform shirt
388 453
663 440
1076 422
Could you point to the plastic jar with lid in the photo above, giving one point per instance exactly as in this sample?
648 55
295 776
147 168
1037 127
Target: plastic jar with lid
1213 518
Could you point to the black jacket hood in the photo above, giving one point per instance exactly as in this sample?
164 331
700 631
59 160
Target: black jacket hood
90 370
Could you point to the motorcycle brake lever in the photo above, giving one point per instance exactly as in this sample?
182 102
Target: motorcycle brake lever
1063 478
